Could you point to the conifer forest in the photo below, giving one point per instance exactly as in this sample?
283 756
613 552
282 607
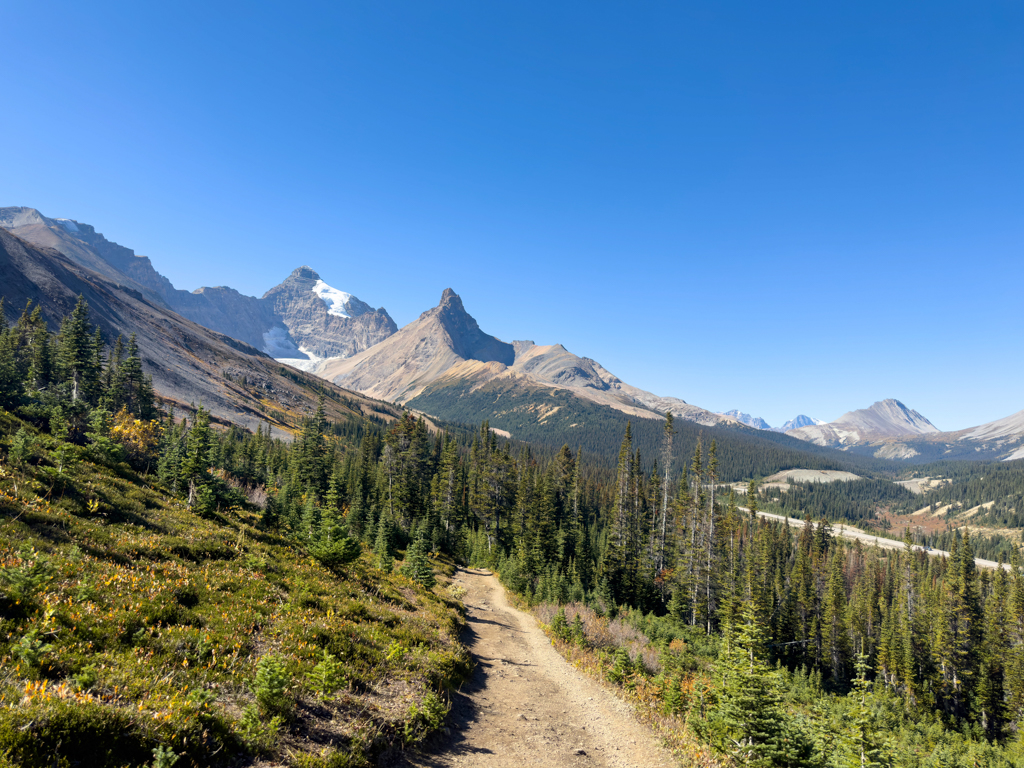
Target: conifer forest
776 645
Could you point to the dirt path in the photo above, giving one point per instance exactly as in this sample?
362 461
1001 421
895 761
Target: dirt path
525 705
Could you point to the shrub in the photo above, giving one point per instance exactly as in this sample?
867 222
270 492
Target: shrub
622 667
427 717
560 625
31 648
22 583
164 757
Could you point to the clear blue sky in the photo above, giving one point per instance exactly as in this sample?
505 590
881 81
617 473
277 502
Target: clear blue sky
779 207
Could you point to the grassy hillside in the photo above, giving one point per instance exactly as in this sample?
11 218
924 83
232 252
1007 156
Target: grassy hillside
134 632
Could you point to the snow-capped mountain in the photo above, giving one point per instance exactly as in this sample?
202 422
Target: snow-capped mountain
796 423
745 418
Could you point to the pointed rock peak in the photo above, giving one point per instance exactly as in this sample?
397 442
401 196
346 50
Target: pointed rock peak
306 273
450 299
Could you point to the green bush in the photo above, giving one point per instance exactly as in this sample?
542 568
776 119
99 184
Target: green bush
93 735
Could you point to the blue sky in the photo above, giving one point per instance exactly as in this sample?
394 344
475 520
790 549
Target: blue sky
779 207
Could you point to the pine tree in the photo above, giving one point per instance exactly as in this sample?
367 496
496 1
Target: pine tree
749 722
384 558
833 625
195 465
75 350
417 567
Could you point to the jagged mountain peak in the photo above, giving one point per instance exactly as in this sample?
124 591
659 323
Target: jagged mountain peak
798 421
304 273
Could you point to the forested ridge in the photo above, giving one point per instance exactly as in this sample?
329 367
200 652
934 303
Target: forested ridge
556 417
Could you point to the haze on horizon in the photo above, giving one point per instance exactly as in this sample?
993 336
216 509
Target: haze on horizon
786 209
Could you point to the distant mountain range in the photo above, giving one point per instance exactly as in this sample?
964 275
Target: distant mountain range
443 359
758 423
890 430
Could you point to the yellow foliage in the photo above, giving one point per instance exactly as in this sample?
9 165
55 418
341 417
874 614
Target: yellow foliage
139 438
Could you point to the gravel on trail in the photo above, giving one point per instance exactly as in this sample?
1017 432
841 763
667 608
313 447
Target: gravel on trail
525 705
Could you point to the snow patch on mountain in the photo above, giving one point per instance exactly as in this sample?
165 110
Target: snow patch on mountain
310 363
333 298
278 344
68 224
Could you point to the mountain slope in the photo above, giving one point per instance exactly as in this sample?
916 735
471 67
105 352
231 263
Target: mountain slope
445 346
300 319
189 364
83 245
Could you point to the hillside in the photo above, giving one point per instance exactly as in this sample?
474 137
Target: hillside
136 627
549 416
189 364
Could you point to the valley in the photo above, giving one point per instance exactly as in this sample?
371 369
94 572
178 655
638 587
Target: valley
344 489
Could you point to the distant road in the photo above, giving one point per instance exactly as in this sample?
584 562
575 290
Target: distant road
855 534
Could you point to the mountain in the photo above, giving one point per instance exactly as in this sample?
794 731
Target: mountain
445 348
745 418
301 320
323 321
796 423
398 368
885 419
190 364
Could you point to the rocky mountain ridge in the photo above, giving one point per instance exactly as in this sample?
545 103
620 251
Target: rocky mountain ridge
445 345
296 320
745 418
885 419
190 364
